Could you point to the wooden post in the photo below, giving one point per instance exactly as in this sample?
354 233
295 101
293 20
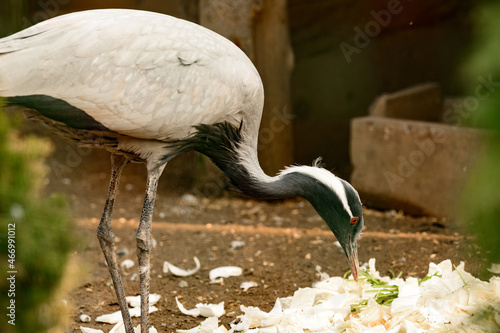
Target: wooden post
260 29
12 13
274 60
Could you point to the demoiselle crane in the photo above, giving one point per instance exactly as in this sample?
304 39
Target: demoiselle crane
147 87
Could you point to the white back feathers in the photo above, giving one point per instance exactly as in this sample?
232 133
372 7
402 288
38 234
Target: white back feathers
140 74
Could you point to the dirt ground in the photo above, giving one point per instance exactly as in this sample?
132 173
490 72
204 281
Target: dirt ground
284 243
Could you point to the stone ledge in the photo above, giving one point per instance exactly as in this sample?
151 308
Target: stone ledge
418 167
420 102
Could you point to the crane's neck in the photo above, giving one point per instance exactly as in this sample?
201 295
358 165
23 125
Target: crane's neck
236 155
247 175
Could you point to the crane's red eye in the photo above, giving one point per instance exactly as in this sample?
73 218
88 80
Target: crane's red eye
354 220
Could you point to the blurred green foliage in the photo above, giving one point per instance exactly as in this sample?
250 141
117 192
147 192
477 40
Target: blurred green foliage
42 233
480 207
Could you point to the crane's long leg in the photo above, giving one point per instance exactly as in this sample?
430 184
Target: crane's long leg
143 237
107 238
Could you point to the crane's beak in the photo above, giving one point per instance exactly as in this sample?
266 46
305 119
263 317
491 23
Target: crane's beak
351 251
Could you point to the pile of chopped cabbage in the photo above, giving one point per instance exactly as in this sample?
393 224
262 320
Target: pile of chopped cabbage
448 299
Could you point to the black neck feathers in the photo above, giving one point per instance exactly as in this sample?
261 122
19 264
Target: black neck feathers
220 142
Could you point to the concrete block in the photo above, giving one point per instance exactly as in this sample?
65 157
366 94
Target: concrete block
417 167
421 102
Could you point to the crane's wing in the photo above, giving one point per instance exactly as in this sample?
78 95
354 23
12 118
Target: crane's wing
141 74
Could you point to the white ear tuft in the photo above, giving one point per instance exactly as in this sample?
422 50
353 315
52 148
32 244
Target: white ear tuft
324 176
318 162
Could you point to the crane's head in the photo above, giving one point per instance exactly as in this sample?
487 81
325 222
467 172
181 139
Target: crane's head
337 202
